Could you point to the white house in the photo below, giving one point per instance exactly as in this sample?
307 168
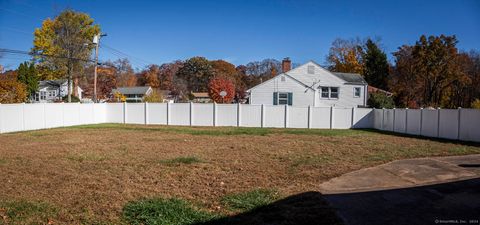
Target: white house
133 94
55 90
311 85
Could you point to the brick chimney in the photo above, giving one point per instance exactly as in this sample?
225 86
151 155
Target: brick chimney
286 65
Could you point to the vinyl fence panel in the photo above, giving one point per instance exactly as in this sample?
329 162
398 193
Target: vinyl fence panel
71 114
469 125
34 116
54 115
448 123
251 115
11 117
298 117
157 113
115 112
226 114
274 116
400 124
342 118
429 122
414 121
363 118
320 117
202 114
180 114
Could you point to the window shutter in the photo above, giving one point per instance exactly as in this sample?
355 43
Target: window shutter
290 98
275 98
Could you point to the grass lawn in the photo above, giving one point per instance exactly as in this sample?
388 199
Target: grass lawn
135 174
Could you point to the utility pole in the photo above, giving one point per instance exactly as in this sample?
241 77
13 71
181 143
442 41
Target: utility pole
96 41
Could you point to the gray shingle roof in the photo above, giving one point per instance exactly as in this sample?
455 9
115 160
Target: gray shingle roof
132 90
350 78
51 83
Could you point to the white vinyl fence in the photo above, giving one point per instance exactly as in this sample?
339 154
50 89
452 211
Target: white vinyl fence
240 115
459 124
22 117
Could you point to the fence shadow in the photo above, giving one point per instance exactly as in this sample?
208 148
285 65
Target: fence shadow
309 208
443 140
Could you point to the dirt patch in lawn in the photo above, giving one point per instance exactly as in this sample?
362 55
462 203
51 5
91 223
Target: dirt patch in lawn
90 173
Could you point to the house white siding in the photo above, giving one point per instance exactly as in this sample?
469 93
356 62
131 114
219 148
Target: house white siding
301 95
305 82
345 98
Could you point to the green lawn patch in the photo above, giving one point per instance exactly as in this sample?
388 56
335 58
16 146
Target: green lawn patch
249 200
159 211
224 131
26 212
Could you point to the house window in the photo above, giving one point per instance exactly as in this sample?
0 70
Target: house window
334 92
356 92
311 69
282 98
282 78
329 92
43 95
325 92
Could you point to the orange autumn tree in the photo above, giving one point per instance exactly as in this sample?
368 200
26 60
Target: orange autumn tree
217 85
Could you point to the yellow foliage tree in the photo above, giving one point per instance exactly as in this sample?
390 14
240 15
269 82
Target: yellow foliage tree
12 91
155 96
119 97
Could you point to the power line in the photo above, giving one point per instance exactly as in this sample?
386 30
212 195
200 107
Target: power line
12 51
118 53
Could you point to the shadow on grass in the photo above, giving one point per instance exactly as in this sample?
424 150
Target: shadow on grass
442 140
307 208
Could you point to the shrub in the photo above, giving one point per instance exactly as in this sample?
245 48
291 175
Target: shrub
74 98
476 104
153 97
380 100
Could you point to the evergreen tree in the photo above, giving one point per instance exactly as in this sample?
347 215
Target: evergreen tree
27 75
376 66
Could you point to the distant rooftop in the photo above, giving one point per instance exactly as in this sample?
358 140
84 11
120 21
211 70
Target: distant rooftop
351 78
132 90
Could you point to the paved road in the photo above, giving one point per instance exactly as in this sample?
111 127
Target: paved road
418 191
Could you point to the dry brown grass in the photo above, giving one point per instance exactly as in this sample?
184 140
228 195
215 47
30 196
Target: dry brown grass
89 173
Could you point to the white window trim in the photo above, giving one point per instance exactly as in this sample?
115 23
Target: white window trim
359 92
329 93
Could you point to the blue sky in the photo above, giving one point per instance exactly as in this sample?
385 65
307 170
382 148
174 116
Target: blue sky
243 31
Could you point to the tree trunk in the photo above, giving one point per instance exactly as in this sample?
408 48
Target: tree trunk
69 82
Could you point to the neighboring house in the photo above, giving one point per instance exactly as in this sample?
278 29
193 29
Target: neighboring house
54 91
311 85
133 94
167 96
201 97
